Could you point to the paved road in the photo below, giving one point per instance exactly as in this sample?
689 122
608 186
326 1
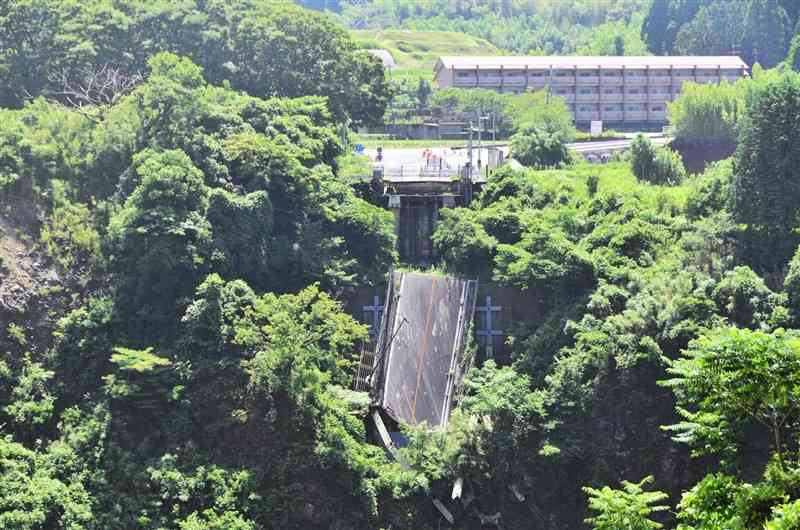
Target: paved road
414 156
604 146
412 160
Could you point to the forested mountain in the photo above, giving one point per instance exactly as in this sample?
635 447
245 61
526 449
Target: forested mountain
177 237
759 30
528 26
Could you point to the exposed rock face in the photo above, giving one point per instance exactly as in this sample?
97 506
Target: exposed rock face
26 281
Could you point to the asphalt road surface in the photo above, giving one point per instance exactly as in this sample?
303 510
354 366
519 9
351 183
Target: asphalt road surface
421 351
413 159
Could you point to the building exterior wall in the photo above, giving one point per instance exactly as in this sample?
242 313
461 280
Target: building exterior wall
617 93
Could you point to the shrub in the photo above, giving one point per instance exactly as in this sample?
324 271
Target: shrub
629 508
707 114
787 517
656 165
538 148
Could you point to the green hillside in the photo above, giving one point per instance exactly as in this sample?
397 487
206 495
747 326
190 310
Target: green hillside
416 52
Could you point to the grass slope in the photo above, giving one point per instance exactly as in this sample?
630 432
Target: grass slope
416 52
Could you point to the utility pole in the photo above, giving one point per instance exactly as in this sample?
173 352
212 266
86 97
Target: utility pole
469 149
480 128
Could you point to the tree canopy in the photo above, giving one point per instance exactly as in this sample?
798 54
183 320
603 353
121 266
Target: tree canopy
67 50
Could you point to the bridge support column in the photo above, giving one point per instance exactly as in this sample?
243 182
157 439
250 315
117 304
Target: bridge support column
395 207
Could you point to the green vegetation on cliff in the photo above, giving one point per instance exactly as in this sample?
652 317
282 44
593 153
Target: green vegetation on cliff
174 352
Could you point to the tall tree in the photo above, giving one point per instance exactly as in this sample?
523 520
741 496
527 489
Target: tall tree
793 59
161 239
765 194
654 28
732 376
663 22
717 29
792 8
767 33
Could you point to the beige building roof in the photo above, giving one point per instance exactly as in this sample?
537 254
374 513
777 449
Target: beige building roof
567 62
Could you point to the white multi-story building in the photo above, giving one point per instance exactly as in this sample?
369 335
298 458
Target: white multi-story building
618 90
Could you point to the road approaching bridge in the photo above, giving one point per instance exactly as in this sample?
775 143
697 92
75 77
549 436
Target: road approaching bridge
404 164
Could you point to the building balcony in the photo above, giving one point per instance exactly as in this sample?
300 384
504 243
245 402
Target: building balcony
636 98
514 81
708 79
731 78
661 80
611 98
587 80
583 115
680 79
569 98
659 98
570 80
611 115
635 115
465 81
658 115
538 83
587 98
490 80
635 81
612 80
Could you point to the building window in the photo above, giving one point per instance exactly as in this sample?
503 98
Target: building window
658 108
612 73
464 74
634 108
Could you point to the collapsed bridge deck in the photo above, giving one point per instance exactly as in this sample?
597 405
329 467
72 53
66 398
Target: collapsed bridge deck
419 352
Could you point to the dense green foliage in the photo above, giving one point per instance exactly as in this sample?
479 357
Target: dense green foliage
759 30
733 377
628 508
508 113
536 147
707 114
608 27
637 279
764 194
185 359
164 211
55 48
656 165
